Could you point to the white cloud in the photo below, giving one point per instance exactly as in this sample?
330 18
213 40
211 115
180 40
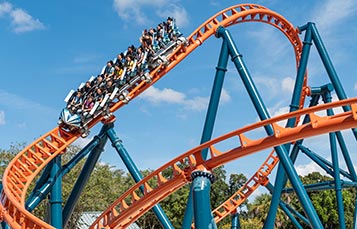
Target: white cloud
21 103
170 96
5 8
305 169
133 10
167 95
2 118
288 84
276 111
334 12
355 87
196 104
225 97
21 21
175 11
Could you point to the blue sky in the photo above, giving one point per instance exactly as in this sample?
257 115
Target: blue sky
49 48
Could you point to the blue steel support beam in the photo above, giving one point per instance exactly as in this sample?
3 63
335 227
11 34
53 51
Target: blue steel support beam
221 70
336 168
297 214
341 94
84 176
280 150
40 192
210 120
56 194
326 185
235 221
289 211
201 185
283 206
336 83
322 162
43 180
281 178
136 174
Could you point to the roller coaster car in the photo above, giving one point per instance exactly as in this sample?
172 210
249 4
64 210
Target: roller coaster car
161 56
73 122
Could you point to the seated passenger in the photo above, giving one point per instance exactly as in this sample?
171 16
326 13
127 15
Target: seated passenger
109 88
161 35
169 27
165 36
120 59
87 107
87 89
155 43
99 95
129 65
131 51
145 39
75 104
99 82
109 70
140 56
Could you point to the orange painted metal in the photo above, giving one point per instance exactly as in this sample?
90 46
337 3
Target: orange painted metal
129 208
23 169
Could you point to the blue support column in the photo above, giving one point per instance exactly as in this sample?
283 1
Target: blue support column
84 177
40 191
210 120
280 180
201 186
56 194
135 173
334 79
290 215
263 114
42 181
336 168
235 221
341 94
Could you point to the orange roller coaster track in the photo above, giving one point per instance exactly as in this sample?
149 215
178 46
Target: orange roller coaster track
132 204
23 169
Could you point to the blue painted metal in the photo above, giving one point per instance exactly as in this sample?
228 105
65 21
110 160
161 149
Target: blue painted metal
341 94
281 178
322 162
188 216
346 156
56 194
215 96
84 152
296 213
235 221
40 182
40 192
84 176
263 115
326 185
210 120
290 215
336 169
201 186
135 173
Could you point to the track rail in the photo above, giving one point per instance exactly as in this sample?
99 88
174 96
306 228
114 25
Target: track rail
29 162
132 204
